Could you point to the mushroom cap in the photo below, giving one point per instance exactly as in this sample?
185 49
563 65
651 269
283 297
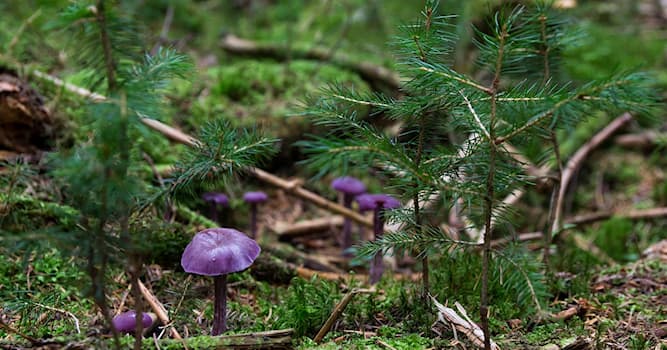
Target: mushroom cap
255 197
126 322
348 185
371 201
219 251
216 197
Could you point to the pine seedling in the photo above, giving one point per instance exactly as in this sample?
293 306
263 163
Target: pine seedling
102 176
516 101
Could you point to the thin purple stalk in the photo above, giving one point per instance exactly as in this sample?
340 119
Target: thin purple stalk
220 309
213 212
253 220
347 225
377 268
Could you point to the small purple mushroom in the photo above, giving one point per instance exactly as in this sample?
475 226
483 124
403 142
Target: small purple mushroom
349 187
217 252
127 321
378 203
254 198
215 200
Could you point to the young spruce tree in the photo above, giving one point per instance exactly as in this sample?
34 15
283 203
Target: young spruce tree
101 176
516 100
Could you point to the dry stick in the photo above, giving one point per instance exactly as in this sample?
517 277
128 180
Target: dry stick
575 162
287 231
181 137
463 324
380 342
644 139
76 320
159 310
635 214
337 311
529 236
10 329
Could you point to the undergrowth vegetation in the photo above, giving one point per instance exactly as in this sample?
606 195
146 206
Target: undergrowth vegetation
491 104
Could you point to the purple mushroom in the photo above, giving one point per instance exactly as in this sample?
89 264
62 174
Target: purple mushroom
378 203
215 200
349 187
217 252
127 321
254 198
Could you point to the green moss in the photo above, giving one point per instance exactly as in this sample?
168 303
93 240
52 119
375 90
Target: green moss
613 237
555 332
605 50
33 287
399 341
254 93
307 305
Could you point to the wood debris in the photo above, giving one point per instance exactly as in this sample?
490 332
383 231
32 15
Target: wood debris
450 317
26 125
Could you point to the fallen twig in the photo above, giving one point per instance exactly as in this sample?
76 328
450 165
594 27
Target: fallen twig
286 231
634 214
575 162
528 236
159 310
642 140
10 329
566 314
337 311
380 342
463 324
290 254
65 312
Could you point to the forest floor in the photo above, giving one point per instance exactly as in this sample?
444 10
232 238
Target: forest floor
607 283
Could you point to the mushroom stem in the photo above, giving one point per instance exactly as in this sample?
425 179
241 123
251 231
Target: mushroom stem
213 212
346 241
253 220
376 268
220 309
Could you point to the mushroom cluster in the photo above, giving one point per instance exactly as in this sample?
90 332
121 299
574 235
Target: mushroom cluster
217 252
